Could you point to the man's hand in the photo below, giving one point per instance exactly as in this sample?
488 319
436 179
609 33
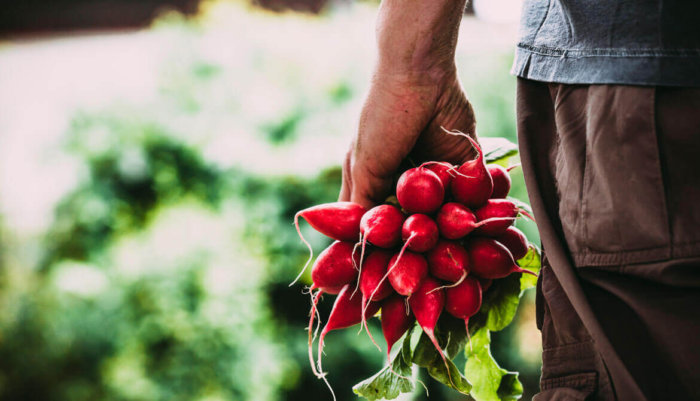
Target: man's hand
414 92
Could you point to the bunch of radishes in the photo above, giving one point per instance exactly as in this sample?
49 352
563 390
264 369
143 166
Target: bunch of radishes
450 235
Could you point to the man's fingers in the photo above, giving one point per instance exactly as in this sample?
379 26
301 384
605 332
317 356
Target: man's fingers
346 187
367 189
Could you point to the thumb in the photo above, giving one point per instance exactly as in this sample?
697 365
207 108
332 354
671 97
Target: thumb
368 189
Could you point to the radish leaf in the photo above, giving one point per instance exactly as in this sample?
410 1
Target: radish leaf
531 261
490 381
497 150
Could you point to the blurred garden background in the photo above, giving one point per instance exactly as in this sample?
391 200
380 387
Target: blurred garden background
148 181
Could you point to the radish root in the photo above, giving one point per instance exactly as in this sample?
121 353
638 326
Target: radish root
455 284
311 251
365 304
526 214
513 167
452 169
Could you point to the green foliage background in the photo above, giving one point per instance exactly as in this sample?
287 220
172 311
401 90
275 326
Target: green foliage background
163 274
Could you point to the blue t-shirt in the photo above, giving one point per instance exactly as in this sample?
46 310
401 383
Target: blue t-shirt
637 42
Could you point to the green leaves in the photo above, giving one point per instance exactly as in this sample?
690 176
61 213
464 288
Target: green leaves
387 384
497 150
501 301
531 261
490 381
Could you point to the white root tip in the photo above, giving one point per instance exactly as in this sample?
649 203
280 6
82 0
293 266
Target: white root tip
314 313
471 140
456 283
362 259
311 251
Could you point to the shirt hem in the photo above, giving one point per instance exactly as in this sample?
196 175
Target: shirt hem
654 68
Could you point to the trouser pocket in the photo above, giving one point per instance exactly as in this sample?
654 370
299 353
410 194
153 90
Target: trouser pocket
571 366
608 173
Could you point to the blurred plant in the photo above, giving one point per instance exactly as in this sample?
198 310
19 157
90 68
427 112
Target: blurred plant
164 273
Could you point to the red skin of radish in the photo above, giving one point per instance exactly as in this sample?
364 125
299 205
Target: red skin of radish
489 258
501 181
396 320
419 190
381 226
485 283
455 220
448 261
515 241
427 304
371 284
407 273
334 267
442 170
496 208
346 312
473 185
337 220
464 300
420 232
373 269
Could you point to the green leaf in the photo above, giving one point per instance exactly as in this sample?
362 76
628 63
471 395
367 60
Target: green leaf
453 333
490 382
501 302
532 261
387 385
424 352
454 380
449 333
497 150
510 389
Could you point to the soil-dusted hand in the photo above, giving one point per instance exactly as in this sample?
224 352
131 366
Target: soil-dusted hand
414 92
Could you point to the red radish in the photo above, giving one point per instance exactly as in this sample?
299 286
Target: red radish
373 269
381 226
448 261
502 208
420 190
464 300
334 267
485 283
337 220
419 232
489 258
406 272
371 285
346 312
396 319
473 185
427 303
515 241
443 171
455 220
501 181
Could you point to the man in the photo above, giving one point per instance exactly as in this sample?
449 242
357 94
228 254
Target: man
609 128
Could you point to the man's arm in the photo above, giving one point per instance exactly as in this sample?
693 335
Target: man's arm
414 91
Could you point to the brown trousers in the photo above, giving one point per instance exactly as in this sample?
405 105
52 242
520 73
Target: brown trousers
613 174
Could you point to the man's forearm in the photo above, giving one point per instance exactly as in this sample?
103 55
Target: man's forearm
418 35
